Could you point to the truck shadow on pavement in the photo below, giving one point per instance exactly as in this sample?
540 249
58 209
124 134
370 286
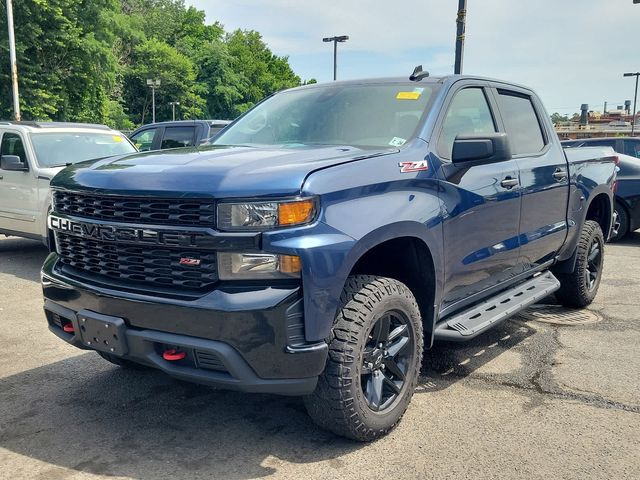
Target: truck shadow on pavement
86 415
22 258
449 362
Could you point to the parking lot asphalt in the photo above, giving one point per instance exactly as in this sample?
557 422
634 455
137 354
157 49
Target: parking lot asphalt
528 400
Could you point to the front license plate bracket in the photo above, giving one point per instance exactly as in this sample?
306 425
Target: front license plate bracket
102 332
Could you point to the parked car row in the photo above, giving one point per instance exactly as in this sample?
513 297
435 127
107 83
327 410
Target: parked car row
627 194
183 133
31 154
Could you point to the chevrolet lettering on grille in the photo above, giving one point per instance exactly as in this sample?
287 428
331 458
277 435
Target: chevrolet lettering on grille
112 233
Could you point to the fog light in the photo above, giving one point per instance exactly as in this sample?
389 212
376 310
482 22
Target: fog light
257 266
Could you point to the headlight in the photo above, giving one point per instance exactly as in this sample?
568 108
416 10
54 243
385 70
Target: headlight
265 215
257 266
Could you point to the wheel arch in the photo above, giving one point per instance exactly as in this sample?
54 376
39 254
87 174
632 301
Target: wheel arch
398 253
600 209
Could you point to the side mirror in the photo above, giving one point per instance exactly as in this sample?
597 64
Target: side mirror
13 163
481 149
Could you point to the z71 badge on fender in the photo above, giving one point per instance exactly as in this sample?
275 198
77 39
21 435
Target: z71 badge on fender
408 167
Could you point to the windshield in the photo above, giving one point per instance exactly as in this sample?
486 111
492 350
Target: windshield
370 115
54 149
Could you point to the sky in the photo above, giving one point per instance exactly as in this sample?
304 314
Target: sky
570 51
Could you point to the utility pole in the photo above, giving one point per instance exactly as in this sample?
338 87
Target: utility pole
153 84
335 40
461 24
14 64
635 99
173 109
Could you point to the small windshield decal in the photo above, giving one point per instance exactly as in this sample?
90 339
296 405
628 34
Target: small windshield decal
408 95
397 142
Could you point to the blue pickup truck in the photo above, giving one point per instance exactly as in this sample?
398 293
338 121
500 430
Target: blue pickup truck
327 237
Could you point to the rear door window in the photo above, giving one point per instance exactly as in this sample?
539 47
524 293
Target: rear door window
144 140
176 137
521 123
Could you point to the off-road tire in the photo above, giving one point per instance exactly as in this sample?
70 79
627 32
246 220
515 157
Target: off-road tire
623 221
121 362
338 403
574 291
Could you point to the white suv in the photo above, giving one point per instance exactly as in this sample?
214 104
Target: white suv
31 153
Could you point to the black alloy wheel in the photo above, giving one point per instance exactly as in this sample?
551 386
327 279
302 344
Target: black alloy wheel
373 365
579 287
386 359
594 264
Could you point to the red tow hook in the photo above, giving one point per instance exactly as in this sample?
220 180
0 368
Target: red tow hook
173 355
68 328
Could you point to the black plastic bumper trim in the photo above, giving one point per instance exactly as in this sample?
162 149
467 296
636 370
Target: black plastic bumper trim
142 348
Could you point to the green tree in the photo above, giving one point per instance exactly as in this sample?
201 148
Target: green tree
157 60
88 61
556 118
65 65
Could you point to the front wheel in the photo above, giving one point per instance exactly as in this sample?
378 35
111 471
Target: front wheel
579 288
374 360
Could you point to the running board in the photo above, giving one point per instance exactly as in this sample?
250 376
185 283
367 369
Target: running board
474 321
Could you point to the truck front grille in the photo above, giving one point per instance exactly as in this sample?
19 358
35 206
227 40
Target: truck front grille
134 266
178 212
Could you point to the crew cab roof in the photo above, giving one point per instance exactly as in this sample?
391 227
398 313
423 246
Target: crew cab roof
448 79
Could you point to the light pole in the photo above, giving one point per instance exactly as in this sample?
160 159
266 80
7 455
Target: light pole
460 21
153 84
335 40
173 109
635 100
14 65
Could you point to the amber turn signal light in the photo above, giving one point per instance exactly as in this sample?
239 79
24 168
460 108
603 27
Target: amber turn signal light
295 213
290 264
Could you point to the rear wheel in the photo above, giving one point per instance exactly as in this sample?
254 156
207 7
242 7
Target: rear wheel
621 223
374 360
579 288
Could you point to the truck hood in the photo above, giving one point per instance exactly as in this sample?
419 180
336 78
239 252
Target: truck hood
221 172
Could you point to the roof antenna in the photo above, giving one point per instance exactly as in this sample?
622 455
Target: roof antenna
418 74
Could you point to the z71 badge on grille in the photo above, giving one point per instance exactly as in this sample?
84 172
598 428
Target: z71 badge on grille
190 262
408 167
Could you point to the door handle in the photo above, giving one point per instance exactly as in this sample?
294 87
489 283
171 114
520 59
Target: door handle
510 182
560 174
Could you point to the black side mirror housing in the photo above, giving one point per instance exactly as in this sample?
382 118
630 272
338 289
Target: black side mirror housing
13 163
481 149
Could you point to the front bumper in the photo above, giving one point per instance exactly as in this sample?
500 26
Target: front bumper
249 339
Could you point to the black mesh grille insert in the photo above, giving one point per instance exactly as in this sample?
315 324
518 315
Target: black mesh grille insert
138 265
188 212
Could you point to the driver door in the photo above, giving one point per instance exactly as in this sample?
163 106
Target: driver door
481 202
18 190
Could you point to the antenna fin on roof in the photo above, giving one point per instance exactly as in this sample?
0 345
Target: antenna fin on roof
418 74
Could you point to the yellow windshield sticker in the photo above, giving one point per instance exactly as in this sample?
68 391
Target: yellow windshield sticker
117 139
408 95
